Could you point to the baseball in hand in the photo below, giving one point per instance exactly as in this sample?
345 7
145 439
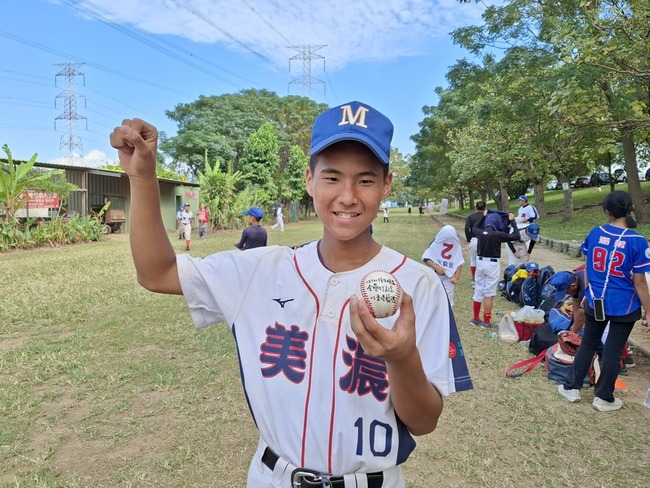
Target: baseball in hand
381 292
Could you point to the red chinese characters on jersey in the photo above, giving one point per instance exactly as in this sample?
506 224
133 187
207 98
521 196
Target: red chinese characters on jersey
367 374
284 352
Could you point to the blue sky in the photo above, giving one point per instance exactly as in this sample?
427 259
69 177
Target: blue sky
142 57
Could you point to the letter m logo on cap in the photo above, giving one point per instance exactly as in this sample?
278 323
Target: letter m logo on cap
350 118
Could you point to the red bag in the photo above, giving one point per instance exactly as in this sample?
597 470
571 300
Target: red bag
525 330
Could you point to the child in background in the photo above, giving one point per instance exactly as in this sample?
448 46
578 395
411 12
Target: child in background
187 217
488 263
445 256
203 217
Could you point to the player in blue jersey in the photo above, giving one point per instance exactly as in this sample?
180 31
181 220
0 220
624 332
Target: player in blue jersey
617 259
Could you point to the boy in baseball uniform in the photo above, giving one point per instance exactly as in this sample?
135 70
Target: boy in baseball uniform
186 224
445 256
336 394
519 251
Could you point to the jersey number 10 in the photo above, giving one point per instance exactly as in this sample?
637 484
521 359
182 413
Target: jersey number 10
376 430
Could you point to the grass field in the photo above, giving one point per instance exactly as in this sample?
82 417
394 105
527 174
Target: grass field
105 384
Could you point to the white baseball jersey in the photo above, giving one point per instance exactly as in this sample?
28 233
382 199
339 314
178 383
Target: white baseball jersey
186 218
318 400
524 214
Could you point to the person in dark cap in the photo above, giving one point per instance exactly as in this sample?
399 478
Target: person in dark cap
488 267
254 235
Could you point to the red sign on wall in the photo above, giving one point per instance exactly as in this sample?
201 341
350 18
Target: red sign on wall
40 199
191 195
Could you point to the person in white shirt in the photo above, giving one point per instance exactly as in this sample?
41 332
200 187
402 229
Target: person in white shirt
279 221
519 251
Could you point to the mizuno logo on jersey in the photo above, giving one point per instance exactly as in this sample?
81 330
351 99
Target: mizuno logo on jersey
283 302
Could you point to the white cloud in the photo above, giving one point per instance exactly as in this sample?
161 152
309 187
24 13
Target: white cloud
353 30
94 159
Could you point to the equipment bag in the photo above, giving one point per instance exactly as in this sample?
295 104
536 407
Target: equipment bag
525 329
559 364
541 339
526 320
513 290
530 291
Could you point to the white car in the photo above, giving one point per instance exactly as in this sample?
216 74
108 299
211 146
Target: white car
553 185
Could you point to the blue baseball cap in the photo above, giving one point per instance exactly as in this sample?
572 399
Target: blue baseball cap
256 212
533 231
353 121
532 267
522 198
561 281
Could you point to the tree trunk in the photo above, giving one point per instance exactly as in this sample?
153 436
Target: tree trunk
503 197
539 198
641 206
567 209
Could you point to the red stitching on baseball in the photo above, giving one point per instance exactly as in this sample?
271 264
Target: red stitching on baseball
364 295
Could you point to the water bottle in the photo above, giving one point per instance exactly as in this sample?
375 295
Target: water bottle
493 335
646 402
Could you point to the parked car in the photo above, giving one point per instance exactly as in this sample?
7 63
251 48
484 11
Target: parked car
647 175
553 185
581 182
600 178
620 176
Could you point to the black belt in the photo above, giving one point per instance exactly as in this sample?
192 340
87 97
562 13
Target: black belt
492 260
313 479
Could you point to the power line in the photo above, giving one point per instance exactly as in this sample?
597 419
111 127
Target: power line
196 12
26 102
27 42
267 22
140 38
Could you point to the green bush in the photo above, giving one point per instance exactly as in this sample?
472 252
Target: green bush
54 232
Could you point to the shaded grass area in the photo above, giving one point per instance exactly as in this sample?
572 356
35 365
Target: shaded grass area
106 384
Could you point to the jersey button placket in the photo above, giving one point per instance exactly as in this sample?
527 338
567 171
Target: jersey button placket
333 282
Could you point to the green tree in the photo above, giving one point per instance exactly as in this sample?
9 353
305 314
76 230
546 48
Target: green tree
594 58
291 181
222 124
219 194
260 161
400 193
15 178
